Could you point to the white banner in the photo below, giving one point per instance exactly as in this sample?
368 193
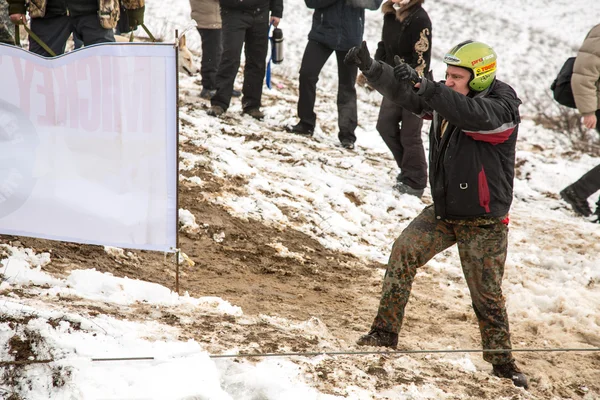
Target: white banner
88 145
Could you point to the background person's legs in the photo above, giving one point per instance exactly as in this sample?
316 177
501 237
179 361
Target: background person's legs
256 48
77 42
211 57
53 31
346 99
314 58
578 192
413 167
235 24
388 126
88 28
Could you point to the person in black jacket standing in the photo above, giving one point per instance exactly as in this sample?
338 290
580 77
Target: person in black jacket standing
245 23
472 140
337 26
406 33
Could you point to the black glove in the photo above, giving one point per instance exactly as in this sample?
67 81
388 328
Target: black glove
359 56
404 72
135 17
380 52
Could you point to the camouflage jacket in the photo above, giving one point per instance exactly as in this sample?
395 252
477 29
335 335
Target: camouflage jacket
108 10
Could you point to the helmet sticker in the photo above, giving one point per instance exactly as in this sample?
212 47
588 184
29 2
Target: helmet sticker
450 58
491 67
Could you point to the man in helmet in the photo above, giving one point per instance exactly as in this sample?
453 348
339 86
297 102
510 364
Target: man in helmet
472 138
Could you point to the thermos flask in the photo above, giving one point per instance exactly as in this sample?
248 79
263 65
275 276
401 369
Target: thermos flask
277 46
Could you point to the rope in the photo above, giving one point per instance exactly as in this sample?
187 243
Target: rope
39 41
124 359
150 35
24 362
387 352
390 352
17 35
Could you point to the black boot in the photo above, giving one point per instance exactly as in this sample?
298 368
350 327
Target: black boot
301 128
512 372
580 206
405 189
378 338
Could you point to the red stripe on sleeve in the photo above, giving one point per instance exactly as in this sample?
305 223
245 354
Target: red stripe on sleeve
494 138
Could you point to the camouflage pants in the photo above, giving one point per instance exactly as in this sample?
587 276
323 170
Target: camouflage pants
6 27
482 251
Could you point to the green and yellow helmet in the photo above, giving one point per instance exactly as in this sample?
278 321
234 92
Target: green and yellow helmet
477 57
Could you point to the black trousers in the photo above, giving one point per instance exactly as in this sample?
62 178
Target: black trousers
401 131
314 58
250 30
589 183
54 31
211 56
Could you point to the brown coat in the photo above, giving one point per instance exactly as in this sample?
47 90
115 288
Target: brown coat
586 74
206 13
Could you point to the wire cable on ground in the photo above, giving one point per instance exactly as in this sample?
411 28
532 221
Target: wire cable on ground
351 353
391 352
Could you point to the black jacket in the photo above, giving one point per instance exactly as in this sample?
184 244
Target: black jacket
339 24
410 39
274 6
471 167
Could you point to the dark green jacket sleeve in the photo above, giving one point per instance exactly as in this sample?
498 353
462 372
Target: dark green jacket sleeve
16 7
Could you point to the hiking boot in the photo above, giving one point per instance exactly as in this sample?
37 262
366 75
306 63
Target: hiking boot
579 205
208 93
378 338
215 111
255 113
512 372
301 128
405 189
235 93
347 144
